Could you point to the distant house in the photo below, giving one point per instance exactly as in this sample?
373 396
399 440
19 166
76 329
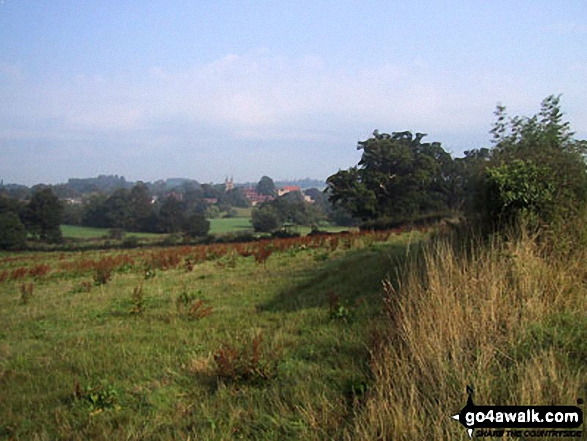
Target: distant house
211 201
72 201
287 189
255 198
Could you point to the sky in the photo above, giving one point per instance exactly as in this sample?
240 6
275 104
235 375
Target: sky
207 89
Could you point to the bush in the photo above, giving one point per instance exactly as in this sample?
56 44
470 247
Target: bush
537 170
12 232
249 361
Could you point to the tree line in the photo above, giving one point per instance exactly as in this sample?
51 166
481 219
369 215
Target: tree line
534 169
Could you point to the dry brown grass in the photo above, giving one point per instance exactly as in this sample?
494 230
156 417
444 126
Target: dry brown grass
456 320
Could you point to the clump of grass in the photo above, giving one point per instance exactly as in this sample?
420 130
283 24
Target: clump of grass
102 272
191 306
458 318
343 311
83 287
199 310
26 292
246 361
137 300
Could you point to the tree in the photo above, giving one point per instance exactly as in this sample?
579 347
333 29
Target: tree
266 186
196 225
43 216
398 178
265 219
234 198
142 216
12 232
118 211
537 169
172 214
94 212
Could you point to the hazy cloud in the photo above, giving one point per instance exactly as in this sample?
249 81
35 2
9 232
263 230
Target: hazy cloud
214 116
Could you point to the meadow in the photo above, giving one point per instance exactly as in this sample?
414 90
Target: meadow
266 340
353 336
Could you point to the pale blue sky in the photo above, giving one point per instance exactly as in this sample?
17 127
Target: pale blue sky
204 89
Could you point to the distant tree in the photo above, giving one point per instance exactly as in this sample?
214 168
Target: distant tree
142 216
212 191
196 225
118 210
266 186
234 198
63 191
293 209
94 212
12 232
103 184
172 214
265 219
43 216
73 214
10 205
194 201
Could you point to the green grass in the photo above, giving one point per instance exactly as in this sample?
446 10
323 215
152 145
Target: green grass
239 224
230 225
116 363
79 232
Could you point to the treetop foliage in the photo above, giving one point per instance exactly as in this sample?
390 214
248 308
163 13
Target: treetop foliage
398 177
537 169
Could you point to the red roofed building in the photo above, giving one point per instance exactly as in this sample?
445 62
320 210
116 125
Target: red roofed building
288 189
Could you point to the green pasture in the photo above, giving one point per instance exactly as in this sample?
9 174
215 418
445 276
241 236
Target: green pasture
282 353
230 225
79 232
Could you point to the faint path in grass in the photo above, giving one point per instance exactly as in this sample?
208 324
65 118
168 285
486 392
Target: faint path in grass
355 275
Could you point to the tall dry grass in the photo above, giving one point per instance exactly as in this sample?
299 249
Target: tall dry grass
508 318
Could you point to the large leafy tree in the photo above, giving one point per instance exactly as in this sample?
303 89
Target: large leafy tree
398 177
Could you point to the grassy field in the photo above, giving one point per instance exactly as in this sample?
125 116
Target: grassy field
230 225
78 232
288 339
217 226
268 340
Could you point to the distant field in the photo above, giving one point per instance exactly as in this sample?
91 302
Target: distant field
77 232
230 225
217 226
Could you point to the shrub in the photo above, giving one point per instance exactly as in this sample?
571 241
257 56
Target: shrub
247 361
130 242
138 300
537 170
102 272
191 306
100 397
